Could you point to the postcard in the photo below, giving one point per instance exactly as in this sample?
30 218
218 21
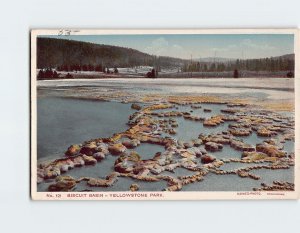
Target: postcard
164 114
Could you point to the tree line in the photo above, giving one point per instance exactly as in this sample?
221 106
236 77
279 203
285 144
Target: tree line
77 55
89 67
50 73
263 64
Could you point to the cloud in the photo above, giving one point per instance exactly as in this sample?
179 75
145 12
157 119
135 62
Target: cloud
248 43
162 47
244 44
225 49
246 48
157 46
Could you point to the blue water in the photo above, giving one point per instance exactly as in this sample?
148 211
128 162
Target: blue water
226 153
147 150
62 122
188 130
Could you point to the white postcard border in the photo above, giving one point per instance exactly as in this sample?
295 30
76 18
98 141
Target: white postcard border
181 195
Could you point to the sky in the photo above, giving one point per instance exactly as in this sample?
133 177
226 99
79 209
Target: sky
241 46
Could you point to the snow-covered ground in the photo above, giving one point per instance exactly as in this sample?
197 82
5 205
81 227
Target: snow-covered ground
131 71
142 70
275 88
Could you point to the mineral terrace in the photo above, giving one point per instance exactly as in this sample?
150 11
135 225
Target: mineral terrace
155 121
